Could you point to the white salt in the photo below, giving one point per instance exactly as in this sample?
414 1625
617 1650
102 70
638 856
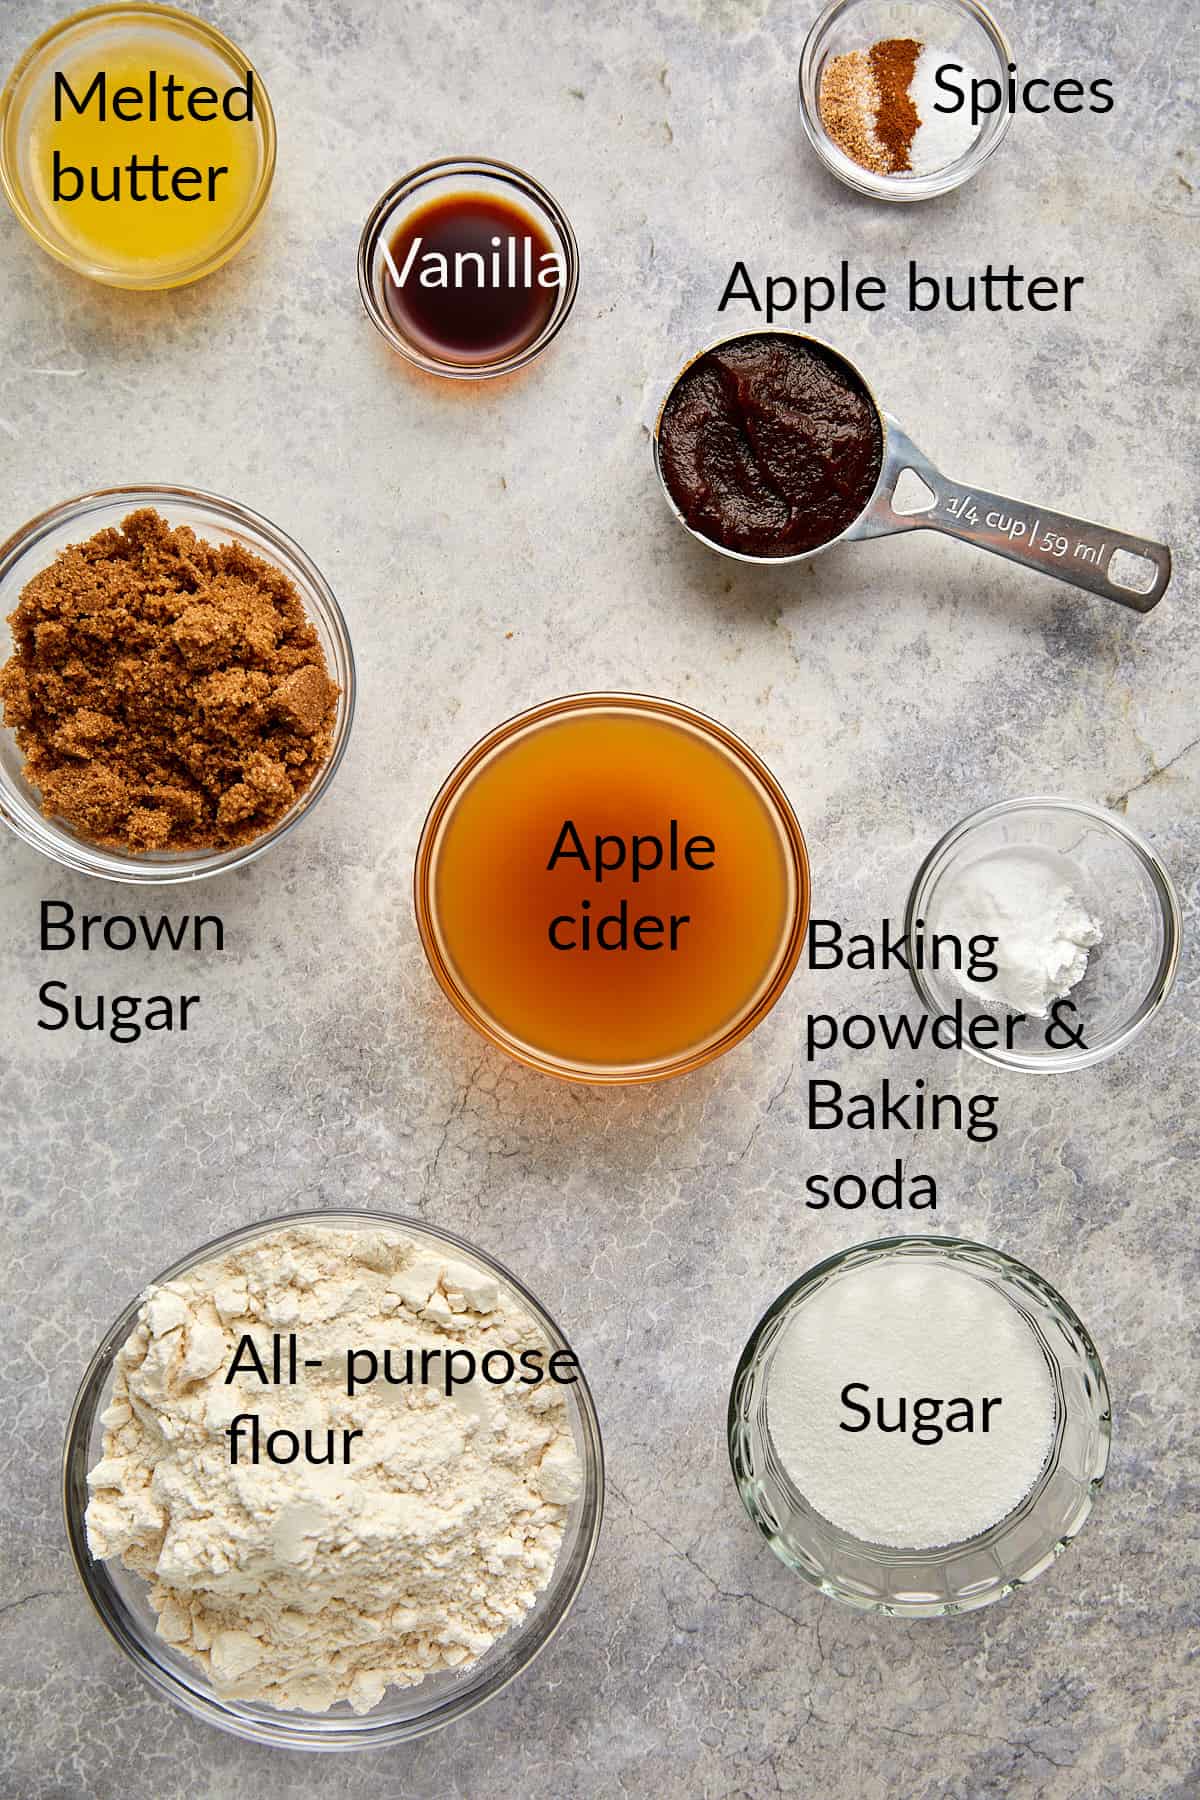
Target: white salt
918 1331
941 138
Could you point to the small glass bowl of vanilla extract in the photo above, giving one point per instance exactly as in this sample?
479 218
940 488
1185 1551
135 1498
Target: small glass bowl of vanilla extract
468 267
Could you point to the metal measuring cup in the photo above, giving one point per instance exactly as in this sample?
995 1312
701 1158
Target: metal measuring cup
1052 542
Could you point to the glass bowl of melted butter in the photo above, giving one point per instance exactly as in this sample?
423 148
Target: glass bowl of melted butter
137 145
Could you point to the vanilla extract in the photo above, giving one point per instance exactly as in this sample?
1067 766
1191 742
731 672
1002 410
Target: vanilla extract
471 278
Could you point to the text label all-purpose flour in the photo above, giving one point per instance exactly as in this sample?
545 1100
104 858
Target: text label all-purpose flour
910 1405
300 1584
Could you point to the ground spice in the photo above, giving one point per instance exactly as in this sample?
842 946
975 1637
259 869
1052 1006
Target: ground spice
867 108
849 102
893 64
167 693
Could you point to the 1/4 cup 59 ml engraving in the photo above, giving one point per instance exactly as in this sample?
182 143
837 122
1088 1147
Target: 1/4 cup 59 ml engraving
1095 557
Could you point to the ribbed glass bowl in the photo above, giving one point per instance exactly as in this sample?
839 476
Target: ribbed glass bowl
1122 883
36 545
120 1597
953 1578
963 29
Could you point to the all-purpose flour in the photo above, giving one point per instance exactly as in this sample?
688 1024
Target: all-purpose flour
300 1585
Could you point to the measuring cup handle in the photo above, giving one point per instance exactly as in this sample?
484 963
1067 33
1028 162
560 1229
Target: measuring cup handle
1069 549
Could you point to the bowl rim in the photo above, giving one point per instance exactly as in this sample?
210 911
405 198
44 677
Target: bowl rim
287 1730
901 188
752 767
23 816
215 255
1057 1062
954 1250
461 169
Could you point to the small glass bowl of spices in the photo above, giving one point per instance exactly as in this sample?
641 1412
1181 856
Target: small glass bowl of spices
137 145
885 93
918 1426
178 689
379 1519
468 267
1053 924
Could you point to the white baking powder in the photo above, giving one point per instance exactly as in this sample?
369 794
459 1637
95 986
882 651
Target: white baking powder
1027 901
941 138
299 1585
893 1331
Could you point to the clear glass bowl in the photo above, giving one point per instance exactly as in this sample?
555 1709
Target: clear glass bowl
474 1010
1120 881
437 180
37 544
956 1577
120 1597
964 30
97 28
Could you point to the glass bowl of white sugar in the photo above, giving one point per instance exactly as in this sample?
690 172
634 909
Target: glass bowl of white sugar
336 1589
918 1426
891 95
1046 931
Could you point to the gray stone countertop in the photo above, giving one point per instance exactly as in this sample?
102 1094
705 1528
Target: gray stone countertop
494 545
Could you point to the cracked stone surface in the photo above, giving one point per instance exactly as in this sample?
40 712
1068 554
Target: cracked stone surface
496 546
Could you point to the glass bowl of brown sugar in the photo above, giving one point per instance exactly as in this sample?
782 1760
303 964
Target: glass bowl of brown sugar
886 94
177 687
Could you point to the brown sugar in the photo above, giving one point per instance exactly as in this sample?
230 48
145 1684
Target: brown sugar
167 693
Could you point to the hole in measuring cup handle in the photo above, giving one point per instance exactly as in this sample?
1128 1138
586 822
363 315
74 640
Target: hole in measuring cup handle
912 494
1128 570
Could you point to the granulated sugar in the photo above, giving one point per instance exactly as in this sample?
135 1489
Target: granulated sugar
929 1344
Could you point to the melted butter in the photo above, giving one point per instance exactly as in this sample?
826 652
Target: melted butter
146 236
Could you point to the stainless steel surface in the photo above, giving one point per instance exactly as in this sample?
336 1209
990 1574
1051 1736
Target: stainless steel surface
1054 543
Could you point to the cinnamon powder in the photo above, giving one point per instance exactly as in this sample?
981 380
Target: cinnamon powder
893 64
167 693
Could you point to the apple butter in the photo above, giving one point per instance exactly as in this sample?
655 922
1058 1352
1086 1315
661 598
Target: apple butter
770 445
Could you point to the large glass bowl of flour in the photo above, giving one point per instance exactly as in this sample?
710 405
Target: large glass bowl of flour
886 1540
121 1596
